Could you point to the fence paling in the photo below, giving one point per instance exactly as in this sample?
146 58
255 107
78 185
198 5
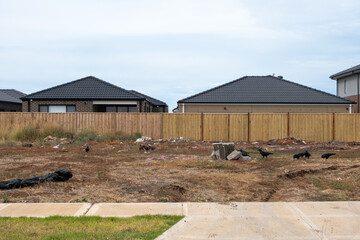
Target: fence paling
208 127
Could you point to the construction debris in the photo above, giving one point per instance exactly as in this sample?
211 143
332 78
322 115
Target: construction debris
57 176
234 155
222 150
287 141
143 139
56 141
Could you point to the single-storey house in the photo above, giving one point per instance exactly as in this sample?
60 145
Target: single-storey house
347 85
263 94
155 104
89 94
10 100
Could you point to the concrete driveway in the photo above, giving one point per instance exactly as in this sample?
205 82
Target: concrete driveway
237 220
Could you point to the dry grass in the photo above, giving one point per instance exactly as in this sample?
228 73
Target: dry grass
119 172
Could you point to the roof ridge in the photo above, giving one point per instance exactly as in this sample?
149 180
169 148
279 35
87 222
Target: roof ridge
14 99
78 80
321 95
298 84
57 86
212 89
14 90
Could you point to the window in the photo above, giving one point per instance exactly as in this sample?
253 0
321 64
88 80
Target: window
132 108
122 109
110 109
70 108
345 86
57 108
43 108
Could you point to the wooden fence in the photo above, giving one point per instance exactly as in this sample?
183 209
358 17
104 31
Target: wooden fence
209 127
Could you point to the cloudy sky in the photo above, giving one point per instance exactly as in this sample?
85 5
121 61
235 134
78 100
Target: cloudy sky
171 49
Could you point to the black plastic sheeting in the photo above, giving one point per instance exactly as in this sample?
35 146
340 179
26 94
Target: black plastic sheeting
57 176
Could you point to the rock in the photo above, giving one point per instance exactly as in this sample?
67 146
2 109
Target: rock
244 158
234 155
55 140
143 139
215 155
222 150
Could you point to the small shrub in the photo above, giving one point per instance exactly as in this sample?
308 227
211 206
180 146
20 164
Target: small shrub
5 198
28 133
86 136
137 135
55 131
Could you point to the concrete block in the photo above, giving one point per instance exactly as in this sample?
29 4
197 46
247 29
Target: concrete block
222 150
234 155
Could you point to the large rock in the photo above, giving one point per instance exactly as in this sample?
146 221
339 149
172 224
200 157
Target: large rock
222 150
234 155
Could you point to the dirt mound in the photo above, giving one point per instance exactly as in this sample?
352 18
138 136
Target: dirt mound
287 141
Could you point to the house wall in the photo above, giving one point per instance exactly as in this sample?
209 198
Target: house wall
351 86
10 107
198 108
160 109
354 107
81 106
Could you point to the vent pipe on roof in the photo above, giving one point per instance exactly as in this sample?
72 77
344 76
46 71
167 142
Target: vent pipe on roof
280 77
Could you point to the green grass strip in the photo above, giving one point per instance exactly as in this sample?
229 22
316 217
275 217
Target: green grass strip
56 227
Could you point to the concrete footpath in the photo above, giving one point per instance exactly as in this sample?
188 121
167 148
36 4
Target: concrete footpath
237 220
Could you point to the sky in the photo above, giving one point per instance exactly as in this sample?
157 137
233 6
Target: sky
172 49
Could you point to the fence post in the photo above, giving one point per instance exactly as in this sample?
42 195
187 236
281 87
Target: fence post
76 120
288 124
114 119
202 127
248 127
228 128
333 126
161 125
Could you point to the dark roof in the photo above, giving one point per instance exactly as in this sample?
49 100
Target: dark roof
88 88
151 100
346 72
11 95
265 90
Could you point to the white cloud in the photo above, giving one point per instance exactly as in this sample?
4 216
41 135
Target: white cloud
44 20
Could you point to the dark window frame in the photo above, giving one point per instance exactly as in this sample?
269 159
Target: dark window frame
123 106
48 105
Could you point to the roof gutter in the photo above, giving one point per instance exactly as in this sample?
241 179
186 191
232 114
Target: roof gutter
337 76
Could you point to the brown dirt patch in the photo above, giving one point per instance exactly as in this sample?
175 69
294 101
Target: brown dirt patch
184 171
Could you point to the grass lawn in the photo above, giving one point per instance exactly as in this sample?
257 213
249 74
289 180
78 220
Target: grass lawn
138 227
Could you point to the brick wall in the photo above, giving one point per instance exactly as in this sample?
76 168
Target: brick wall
354 107
86 106
81 106
159 109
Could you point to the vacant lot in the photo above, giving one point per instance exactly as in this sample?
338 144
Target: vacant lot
183 171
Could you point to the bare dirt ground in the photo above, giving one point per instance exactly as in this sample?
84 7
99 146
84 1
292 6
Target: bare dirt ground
183 171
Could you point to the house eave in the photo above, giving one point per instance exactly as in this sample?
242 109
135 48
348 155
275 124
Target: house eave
262 103
342 75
